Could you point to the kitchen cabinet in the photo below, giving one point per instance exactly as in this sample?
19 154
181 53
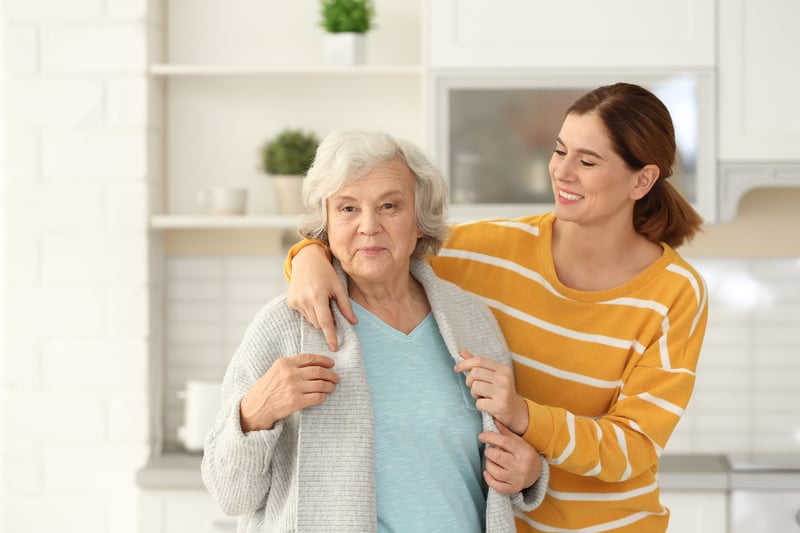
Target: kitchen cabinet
759 123
696 511
179 511
501 77
759 72
765 511
582 34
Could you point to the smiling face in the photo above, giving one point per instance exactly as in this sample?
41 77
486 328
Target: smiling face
591 183
372 226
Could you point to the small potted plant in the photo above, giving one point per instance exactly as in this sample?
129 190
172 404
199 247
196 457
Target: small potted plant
286 158
346 22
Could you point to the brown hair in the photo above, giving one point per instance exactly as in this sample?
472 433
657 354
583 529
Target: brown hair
641 132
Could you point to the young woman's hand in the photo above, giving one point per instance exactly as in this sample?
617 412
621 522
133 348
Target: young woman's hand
492 386
291 384
313 284
511 463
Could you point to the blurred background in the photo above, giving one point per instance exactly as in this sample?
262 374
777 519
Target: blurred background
141 231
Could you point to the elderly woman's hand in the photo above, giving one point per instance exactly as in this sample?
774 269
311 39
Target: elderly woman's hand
492 385
312 285
511 463
291 384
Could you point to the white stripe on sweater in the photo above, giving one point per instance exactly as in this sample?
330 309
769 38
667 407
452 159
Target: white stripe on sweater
598 528
602 496
564 374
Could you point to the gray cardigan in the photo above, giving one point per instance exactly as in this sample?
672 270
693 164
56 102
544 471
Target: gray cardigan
314 470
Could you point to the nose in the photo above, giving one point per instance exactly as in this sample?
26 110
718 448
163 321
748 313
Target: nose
562 169
369 222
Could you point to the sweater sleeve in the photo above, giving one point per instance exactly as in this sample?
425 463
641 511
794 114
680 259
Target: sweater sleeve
653 396
236 466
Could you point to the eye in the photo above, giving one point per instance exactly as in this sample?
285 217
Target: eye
348 209
387 205
559 152
587 164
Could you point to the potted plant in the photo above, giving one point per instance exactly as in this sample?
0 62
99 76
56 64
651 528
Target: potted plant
286 158
346 22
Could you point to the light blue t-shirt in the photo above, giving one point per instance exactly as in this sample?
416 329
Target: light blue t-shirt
427 453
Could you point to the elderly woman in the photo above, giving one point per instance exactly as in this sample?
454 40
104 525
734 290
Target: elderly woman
381 435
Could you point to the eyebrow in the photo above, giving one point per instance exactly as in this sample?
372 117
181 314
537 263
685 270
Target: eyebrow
582 150
340 197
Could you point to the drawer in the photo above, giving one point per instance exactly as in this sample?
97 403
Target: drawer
765 511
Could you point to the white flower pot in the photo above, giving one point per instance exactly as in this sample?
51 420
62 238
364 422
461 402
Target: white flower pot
288 194
345 48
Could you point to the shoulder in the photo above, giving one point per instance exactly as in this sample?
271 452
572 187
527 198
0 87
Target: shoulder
687 279
275 323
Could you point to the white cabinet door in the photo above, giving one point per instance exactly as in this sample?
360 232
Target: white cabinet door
696 512
180 511
575 33
759 76
765 511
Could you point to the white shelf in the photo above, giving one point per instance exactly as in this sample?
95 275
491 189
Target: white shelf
168 69
167 222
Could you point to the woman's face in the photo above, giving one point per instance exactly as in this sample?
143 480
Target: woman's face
372 227
591 183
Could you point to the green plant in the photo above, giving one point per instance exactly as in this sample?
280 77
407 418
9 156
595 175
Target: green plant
347 15
290 152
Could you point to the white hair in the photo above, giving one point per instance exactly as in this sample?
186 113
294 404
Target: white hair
348 155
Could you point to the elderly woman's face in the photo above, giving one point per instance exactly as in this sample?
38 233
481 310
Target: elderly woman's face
372 227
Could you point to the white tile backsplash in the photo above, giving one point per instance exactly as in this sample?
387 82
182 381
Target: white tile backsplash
746 398
209 303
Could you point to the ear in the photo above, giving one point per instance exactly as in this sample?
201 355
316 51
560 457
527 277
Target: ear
645 179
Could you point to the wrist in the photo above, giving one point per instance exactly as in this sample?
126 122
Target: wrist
521 418
249 422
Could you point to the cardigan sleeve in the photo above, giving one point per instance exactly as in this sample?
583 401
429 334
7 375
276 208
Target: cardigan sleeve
236 466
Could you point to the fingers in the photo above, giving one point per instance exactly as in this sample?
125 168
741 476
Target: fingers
328 327
343 302
472 362
503 429
512 464
311 359
500 487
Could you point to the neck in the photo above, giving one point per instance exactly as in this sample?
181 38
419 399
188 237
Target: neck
599 259
401 303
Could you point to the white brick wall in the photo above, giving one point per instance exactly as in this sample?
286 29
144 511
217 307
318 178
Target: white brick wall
75 422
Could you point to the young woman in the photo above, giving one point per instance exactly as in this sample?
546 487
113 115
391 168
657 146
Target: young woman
604 319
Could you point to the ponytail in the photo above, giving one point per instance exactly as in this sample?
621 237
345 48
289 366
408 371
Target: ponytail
663 214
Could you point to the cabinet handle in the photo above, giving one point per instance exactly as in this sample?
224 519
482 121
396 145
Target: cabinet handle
221 524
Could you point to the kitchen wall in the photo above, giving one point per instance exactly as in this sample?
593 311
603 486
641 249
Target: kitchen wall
73 374
74 388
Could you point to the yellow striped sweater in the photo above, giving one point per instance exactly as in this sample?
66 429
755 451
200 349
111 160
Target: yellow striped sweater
606 374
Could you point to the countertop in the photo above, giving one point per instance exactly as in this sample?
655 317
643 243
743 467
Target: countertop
690 472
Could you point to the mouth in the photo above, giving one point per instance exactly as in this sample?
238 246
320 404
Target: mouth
571 197
370 250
